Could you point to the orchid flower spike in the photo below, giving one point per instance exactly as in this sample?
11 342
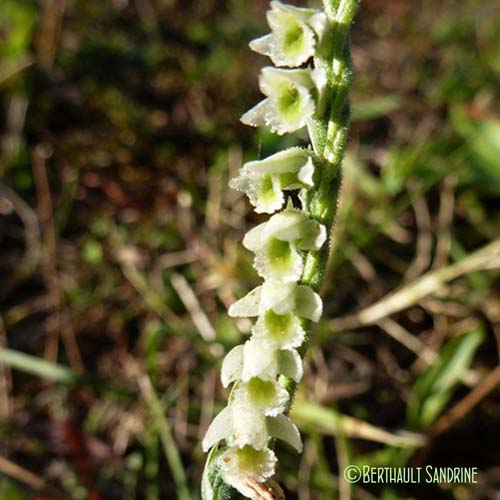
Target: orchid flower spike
265 180
287 246
294 34
289 103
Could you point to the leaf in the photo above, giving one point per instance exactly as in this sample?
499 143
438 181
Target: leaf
434 387
37 366
483 142
213 486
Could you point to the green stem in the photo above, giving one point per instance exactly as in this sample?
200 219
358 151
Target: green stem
329 132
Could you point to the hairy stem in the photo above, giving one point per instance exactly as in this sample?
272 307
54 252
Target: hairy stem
329 132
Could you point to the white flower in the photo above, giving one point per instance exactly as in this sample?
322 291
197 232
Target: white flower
264 181
260 357
242 425
240 464
281 298
289 104
277 241
239 425
268 396
284 330
293 35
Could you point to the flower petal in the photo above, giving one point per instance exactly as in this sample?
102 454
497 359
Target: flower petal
277 296
248 427
260 115
272 80
281 427
308 303
313 236
306 173
259 360
263 45
288 160
286 225
220 428
319 23
248 306
290 364
303 13
232 365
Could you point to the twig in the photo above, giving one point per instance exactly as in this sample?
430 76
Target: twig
414 344
17 106
30 479
328 421
445 219
467 403
22 475
424 240
487 257
31 231
397 332
48 35
191 303
63 324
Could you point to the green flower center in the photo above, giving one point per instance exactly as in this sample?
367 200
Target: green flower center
249 459
294 38
289 100
261 392
266 189
279 253
277 325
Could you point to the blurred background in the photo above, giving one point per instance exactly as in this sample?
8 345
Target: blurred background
121 248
